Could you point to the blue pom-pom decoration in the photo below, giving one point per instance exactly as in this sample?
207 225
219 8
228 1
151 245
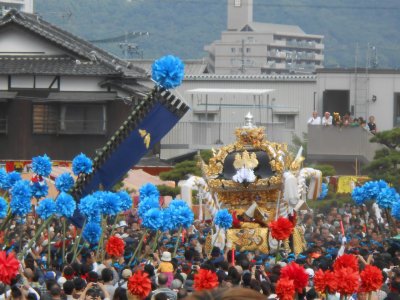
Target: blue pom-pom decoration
64 182
3 208
21 194
39 189
92 232
178 203
387 197
223 219
109 203
13 177
153 219
46 208
89 207
396 210
146 204
82 164
184 216
372 189
324 191
125 199
65 205
168 71
169 219
4 180
358 195
41 165
148 190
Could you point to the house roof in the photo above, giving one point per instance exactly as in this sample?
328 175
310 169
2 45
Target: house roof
79 47
192 66
274 28
52 65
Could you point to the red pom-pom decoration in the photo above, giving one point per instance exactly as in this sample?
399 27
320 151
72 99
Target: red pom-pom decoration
325 282
205 280
346 261
371 279
115 246
296 273
347 281
281 229
139 284
285 289
9 266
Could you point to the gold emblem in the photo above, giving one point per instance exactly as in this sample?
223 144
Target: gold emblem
146 137
245 160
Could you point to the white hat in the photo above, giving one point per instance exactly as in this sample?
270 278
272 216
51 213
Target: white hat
122 224
126 273
61 281
166 256
310 272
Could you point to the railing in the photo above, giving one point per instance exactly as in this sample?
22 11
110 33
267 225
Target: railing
340 143
3 126
82 127
205 135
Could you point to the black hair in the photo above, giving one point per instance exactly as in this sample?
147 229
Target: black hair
79 284
107 275
120 294
68 287
246 278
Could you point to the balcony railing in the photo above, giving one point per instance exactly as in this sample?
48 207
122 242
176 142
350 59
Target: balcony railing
3 126
342 144
205 135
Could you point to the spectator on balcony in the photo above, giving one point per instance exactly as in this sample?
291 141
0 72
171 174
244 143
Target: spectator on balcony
327 119
371 124
355 123
364 125
347 119
315 119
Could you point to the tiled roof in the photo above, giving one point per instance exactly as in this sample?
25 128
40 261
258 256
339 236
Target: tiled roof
192 66
78 46
52 65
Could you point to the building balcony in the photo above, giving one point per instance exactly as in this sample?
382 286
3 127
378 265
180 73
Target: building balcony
4 126
297 44
207 134
346 144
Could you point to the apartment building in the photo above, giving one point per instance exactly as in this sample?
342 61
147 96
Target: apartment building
249 47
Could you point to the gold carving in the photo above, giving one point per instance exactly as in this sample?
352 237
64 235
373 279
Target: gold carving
249 239
245 160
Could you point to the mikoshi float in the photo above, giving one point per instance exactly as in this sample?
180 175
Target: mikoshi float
257 182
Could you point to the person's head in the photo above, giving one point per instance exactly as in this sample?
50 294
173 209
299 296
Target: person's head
107 275
92 294
16 293
314 114
55 291
79 284
68 287
327 114
29 274
162 279
371 119
120 294
50 283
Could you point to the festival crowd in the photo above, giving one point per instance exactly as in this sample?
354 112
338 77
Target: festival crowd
92 275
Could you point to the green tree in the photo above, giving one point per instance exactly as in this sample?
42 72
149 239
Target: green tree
181 170
168 191
327 170
387 160
299 142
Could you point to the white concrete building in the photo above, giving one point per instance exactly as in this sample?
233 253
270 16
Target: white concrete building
249 47
21 5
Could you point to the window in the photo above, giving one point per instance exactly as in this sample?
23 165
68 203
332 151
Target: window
83 119
238 3
288 120
233 50
248 50
205 116
45 118
396 116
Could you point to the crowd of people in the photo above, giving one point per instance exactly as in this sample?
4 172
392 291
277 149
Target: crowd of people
94 275
346 120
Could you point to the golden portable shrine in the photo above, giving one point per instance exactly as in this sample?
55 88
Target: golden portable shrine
257 181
